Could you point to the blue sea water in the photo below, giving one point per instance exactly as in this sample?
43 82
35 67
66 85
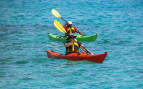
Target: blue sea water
24 25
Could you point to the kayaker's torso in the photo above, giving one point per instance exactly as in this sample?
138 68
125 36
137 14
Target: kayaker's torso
70 30
74 48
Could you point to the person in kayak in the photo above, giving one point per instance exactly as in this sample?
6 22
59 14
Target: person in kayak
73 46
70 29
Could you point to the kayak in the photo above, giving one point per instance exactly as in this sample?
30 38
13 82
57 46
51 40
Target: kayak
98 58
79 38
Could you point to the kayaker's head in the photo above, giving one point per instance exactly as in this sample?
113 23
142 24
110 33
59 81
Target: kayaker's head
71 38
69 23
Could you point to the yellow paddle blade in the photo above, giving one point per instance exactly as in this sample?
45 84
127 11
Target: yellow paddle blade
56 13
59 26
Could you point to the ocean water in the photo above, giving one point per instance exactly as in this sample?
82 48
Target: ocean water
24 28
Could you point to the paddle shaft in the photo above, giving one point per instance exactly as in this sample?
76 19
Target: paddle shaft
86 50
63 19
83 48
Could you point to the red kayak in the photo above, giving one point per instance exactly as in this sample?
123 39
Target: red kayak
98 58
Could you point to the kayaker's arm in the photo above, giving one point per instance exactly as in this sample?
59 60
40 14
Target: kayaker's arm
78 31
68 44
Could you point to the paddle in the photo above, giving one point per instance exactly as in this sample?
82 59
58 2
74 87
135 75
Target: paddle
83 48
59 26
86 50
57 14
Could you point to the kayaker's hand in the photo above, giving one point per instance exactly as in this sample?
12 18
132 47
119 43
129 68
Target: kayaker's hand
75 40
89 52
80 33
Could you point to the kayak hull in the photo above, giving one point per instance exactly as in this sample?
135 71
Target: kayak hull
79 38
98 58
